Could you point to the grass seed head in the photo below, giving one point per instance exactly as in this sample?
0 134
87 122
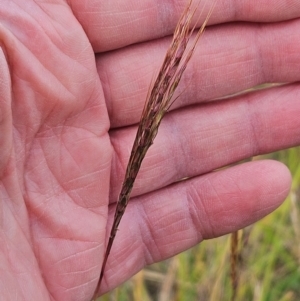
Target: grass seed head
157 104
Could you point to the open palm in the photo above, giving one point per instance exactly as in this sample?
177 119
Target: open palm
68 120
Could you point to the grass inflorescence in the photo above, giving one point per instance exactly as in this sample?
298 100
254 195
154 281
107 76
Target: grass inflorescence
157 104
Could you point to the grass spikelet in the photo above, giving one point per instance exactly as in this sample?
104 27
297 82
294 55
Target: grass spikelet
157 104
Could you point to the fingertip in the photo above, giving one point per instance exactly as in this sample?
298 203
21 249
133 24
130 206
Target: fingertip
241 195
276 180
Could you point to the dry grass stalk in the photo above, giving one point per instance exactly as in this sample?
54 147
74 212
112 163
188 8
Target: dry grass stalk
158 102
235 253
234 243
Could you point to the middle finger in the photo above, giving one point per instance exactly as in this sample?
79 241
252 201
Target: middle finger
229 59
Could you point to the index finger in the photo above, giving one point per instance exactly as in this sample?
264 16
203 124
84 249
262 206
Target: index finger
115 24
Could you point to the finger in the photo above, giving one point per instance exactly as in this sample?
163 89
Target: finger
115 24
200 139
164 223
228 60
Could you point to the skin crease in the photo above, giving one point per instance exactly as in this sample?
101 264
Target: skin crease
67 123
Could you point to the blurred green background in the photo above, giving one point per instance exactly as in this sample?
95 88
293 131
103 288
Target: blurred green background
268 265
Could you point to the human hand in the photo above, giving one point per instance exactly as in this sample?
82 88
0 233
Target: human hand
67 128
